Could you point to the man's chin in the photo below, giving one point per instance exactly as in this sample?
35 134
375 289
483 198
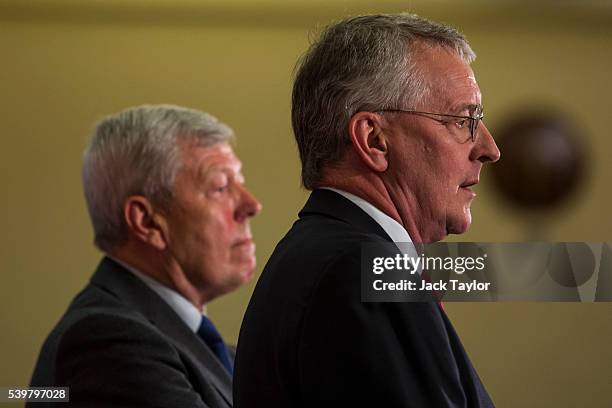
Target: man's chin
241 275
460 225
248 273
247 268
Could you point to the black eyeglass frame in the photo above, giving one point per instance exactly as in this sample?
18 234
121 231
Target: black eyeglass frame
473 125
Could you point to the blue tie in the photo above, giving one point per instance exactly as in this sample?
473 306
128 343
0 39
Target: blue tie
208 332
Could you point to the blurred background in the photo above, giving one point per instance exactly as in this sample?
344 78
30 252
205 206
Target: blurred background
65 64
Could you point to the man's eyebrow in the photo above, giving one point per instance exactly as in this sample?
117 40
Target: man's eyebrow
223 167
228 170
469 107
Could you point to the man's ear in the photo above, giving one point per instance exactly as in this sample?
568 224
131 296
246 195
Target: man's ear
144 223
368 139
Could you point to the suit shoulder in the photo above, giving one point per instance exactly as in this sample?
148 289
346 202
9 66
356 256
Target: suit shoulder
314 247
317 240
96 315
328 228
107 357
105 336
91 310
107 323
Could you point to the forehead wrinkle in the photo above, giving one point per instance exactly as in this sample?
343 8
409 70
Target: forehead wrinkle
452 80
218 157
462 97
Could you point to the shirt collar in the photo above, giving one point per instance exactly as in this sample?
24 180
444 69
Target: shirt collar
181 306
394 229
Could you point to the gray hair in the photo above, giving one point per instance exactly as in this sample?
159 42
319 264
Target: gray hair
137 152
359 64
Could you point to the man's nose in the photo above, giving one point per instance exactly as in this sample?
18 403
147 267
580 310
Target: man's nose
485 150
249 206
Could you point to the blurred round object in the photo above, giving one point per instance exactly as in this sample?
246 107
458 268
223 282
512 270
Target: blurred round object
571 264
542 160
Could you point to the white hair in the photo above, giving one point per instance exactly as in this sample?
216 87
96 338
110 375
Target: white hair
136 152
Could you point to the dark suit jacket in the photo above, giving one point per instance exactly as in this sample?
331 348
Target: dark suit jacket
307 340
121 345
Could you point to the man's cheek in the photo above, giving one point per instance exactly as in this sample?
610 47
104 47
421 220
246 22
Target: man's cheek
227 215
218 221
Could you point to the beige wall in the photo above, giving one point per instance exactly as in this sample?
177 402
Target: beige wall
65 64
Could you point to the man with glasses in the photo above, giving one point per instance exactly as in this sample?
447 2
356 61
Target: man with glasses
387 118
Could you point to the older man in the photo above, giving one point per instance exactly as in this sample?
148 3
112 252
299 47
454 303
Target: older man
387 117
169 208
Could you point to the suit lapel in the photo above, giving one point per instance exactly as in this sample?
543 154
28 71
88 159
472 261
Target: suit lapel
115 279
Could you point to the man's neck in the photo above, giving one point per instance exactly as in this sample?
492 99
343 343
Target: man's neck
373 190
158 267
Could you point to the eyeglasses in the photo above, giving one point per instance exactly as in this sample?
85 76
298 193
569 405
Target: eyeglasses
461 121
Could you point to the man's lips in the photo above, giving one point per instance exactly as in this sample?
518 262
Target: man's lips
466 186
244 242
469 183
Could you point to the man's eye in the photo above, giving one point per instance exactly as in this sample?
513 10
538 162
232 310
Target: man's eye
461 123
219 188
